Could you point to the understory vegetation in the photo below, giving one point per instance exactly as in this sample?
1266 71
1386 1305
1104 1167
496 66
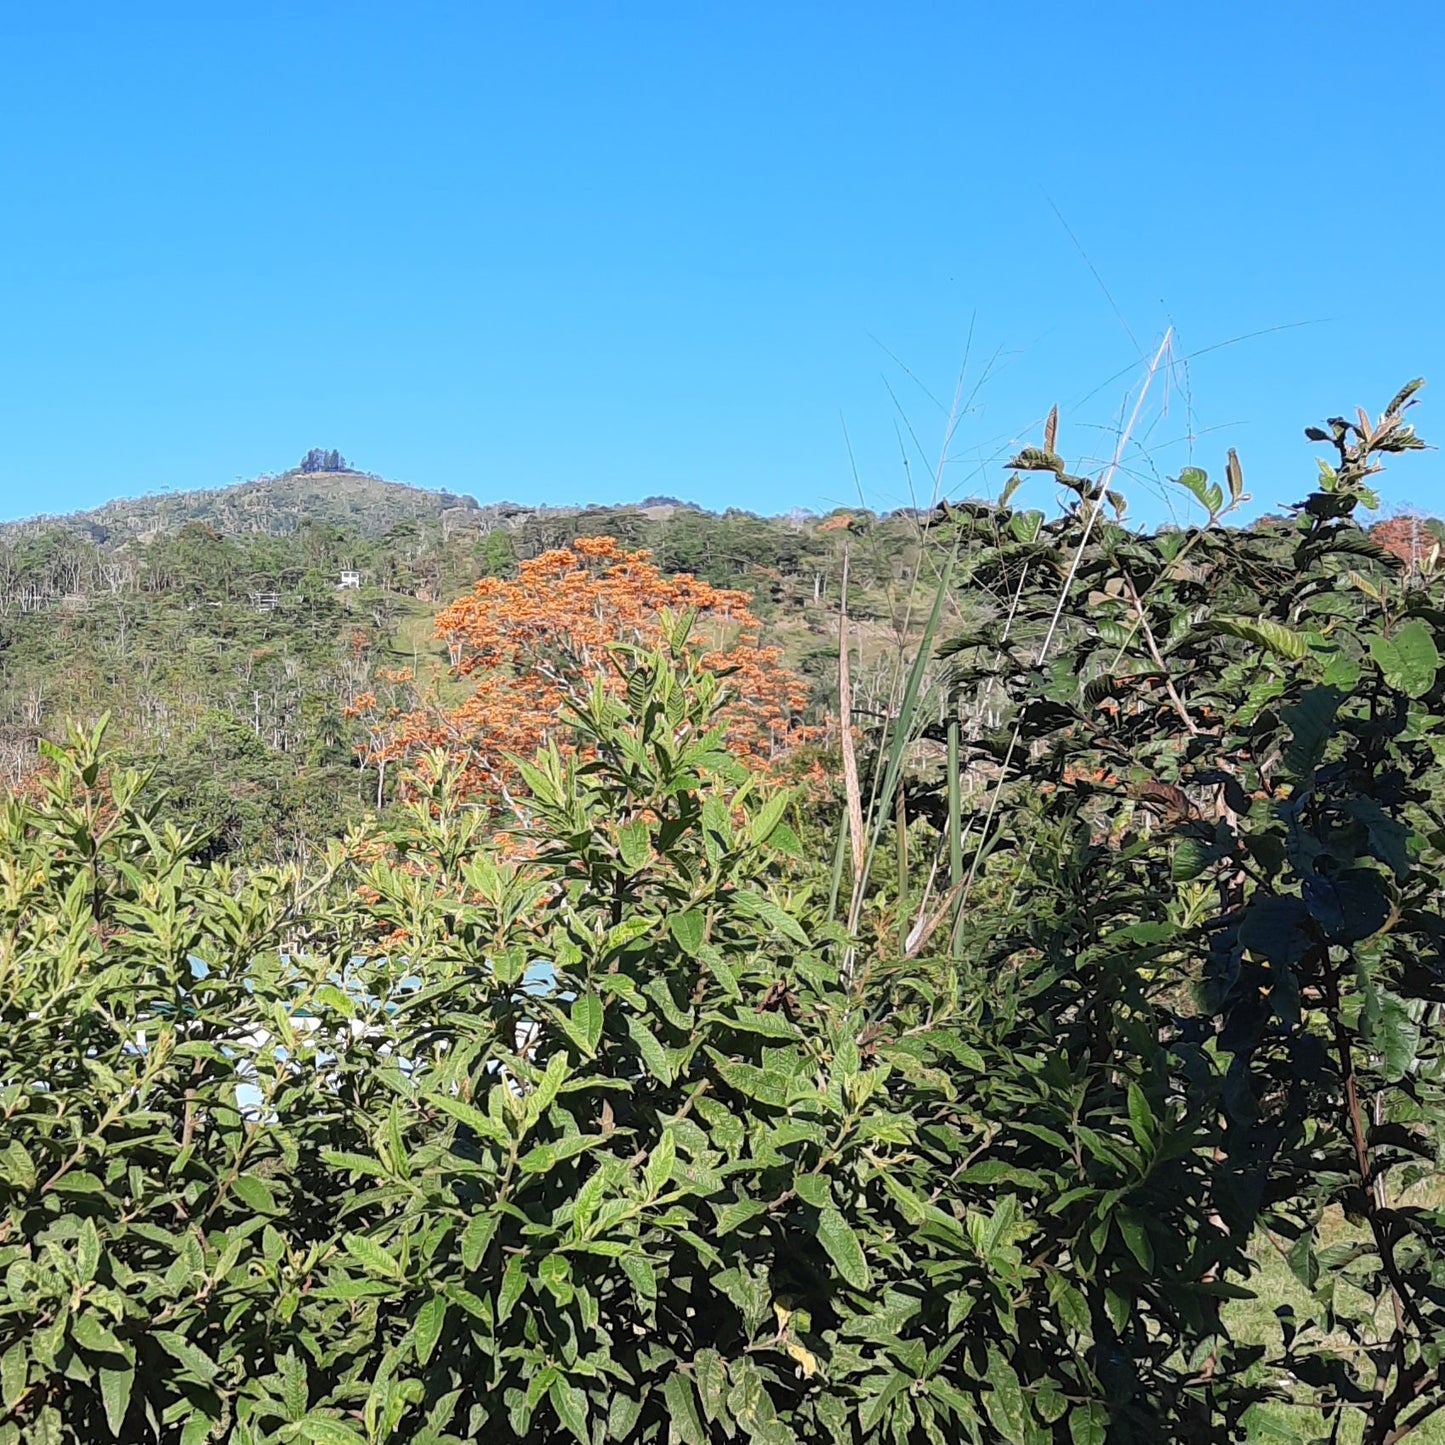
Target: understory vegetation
1055 1057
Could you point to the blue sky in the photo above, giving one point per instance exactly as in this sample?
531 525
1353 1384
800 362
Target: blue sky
590 252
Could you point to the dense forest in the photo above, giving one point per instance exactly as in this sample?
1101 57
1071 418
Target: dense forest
634 975
229 633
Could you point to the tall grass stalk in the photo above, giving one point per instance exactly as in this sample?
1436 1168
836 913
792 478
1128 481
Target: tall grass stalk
858 843
1093 515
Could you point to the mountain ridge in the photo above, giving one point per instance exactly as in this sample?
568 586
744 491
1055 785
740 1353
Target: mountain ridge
273 505
279 504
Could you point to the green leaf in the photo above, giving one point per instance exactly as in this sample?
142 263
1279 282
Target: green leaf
90 1334
767 1086
634 841
475 1239
1263 1425
771 814
1005 1402
1049 1401
1234 474
1136 1237
640 1273
914 1210
540 1160
548 1087
682 1409
198 1429
115 1387
1038 459
546 1157
14 1371
730 1216
876 1406
812 1189
474 1305
555 1274
189 1356
589 1198
372 1256
255 1194
1089 1424
654 1056
1303 1260
479 1123
689 929
630 929
747 901
1191 858
514 1281
87 1251
844 1248
1025 525
571 1406
750 1021
325 1430
710 1375
354 1163
396 1142
1409 660
17 1167
622 1416
77 1182
748 1290
1141 1117
1072 1307
1397 1036
430 1319
1196 482
587 1019
295 1387
658 1170
1279 641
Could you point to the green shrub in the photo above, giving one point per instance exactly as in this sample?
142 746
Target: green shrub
1223 788
452 1146
604 1131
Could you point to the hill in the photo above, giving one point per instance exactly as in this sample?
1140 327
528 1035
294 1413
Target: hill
274 506
228 631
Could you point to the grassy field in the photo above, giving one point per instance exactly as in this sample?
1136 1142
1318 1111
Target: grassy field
414 644
1258 1321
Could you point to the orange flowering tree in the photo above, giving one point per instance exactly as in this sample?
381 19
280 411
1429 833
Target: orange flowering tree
386 721
530 644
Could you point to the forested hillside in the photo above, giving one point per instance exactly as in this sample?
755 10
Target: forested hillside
307 495
230 632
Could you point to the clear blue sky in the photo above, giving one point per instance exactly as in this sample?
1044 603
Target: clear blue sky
590 252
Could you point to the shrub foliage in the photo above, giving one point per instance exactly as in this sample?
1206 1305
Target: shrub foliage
619 1136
